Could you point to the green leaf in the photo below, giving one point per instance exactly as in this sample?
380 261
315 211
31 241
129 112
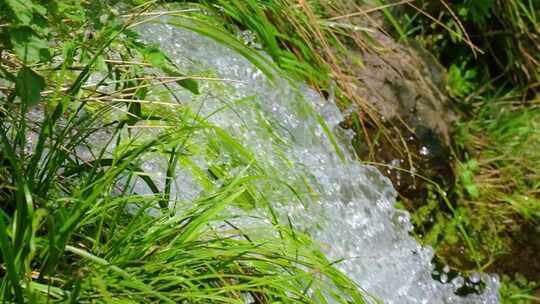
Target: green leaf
29 47
472 190
155 57
29 86
68 52
187 83
22 10
38 8
8 256
190 84
473 165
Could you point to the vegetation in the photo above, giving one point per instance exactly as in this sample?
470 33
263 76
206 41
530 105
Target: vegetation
75 231
496 140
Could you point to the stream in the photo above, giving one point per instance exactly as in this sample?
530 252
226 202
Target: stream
346 206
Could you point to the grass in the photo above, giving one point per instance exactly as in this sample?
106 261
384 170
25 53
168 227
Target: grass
492 26
495 199
76 230
496 193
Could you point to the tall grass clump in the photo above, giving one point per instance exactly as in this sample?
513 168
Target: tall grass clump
319 42
78 123
502 39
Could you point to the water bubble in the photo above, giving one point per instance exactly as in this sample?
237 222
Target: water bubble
395 163
458 282
475 277
424 151
444 278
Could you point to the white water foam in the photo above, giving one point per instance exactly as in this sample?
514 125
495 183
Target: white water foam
349 207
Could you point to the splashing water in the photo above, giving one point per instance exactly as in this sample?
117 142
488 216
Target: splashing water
350 206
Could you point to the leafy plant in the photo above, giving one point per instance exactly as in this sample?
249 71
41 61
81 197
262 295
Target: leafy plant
518 290
466 178
461 81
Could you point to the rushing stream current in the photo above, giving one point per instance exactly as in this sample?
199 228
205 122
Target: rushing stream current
351 208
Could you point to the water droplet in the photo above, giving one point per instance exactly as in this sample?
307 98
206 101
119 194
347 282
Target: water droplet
395 163
444 278
446 269
424 151
475 277
458 282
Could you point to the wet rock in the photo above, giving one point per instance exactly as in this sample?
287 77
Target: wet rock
406 84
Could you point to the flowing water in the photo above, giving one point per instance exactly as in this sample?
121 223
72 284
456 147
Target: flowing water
348 207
